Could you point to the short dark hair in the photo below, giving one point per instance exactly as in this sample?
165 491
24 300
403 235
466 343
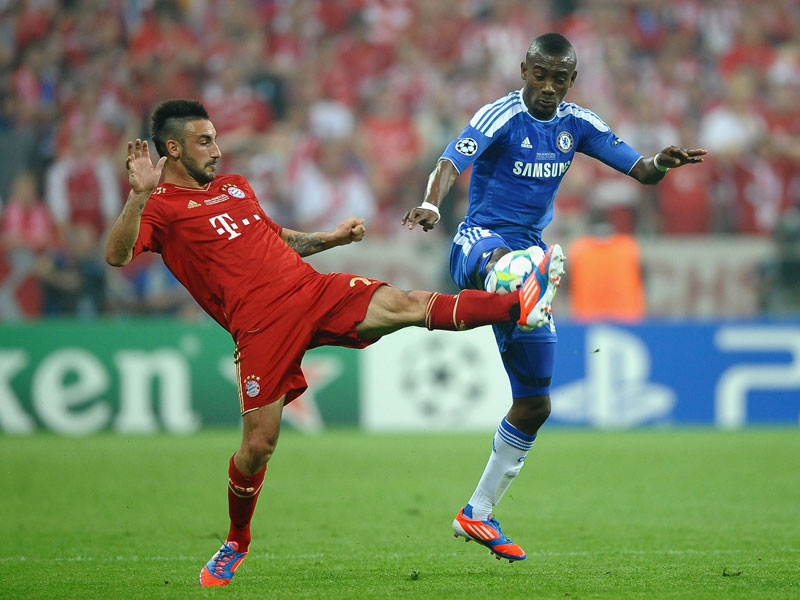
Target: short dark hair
170 117
551 44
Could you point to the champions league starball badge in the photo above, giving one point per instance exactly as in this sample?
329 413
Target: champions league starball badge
467 146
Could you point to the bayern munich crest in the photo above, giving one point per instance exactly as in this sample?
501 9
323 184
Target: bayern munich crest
564 141
251 386
236 193
467 146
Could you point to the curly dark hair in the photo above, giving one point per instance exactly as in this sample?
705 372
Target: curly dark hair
169 119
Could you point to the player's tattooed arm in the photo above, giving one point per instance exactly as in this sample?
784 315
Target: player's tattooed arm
123 234
143 177
306 244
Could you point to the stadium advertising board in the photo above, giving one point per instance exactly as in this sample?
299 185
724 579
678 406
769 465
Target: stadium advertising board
728 374
138 377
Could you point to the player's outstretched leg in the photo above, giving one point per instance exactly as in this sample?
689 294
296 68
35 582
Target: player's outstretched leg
487 533
220 569
539 289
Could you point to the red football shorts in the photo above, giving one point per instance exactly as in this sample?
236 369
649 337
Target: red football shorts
324 311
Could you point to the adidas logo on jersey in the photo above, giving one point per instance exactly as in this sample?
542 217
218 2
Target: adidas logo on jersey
192 204
526 143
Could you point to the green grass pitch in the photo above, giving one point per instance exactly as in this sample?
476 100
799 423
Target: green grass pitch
682 513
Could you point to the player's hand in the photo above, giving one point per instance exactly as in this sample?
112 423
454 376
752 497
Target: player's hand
350 230
420 216
673 156
143 177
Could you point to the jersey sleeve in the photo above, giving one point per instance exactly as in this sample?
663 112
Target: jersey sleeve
473 141
272 224
598 141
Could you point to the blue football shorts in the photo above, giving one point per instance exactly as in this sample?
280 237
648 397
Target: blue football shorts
530 368
528 356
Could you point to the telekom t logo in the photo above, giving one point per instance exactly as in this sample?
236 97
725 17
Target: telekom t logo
224 224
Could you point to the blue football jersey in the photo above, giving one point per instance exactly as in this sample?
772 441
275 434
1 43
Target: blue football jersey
518 162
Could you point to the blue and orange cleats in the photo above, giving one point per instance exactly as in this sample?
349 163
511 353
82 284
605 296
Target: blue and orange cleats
487 533
539 289
220 569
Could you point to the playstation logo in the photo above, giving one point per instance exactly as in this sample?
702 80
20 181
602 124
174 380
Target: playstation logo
616 391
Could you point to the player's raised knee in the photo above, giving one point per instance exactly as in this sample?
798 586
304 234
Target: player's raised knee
257 450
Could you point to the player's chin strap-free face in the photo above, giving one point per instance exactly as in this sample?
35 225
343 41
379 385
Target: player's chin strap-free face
431 207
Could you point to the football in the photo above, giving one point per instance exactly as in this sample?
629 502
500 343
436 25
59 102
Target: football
511 270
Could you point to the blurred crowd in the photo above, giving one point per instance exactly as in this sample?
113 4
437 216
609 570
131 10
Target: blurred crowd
340 107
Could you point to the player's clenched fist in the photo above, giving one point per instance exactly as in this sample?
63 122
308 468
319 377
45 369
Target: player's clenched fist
350 230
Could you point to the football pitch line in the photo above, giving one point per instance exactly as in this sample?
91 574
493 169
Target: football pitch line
404 555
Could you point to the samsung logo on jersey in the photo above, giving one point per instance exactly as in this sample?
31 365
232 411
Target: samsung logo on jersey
548 169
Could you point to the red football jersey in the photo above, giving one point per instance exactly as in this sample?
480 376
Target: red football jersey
224 249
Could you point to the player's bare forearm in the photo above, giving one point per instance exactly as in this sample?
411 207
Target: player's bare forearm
306 244
143 177
440 181
122 238
649 171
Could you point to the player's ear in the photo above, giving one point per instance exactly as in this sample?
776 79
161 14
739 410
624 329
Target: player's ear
173 148
572 79
523 69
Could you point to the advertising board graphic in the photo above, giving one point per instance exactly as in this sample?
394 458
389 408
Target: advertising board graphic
139 377
727 374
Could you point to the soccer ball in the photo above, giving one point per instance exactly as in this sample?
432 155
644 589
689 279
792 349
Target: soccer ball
512 269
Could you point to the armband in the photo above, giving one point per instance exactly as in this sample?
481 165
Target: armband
661 168
431 207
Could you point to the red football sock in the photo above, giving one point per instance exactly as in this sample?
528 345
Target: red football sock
470 308
243 493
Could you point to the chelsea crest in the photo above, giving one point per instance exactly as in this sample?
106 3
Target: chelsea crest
564 141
